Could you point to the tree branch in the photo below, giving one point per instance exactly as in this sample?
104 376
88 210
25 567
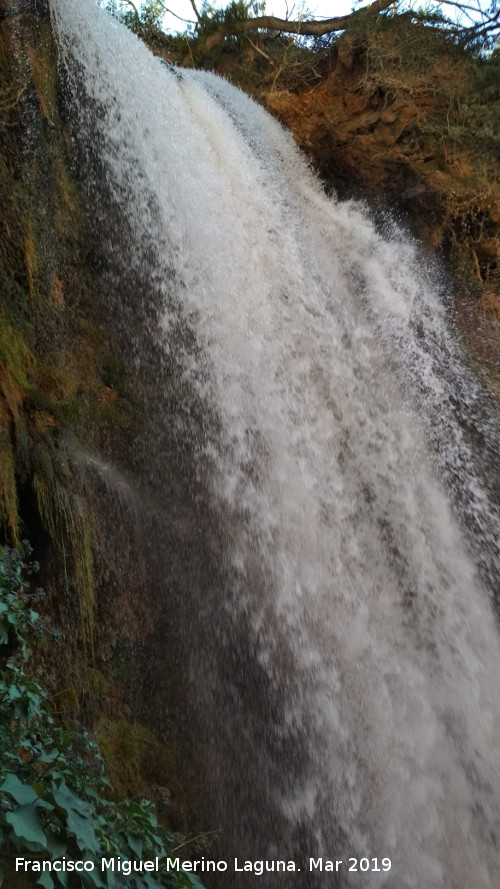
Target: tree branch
308 28
195 10
181 19
259 50
134 7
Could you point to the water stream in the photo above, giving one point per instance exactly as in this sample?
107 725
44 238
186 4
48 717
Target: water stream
342 652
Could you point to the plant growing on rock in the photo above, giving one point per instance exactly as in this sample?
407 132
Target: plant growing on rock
55 797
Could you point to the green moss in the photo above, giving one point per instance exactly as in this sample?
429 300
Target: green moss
16 362
69 523
14 353
8 493
83 548
96 682
61 394
135 756
43 65
31 261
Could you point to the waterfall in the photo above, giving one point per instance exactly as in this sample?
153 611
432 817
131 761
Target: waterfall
340 641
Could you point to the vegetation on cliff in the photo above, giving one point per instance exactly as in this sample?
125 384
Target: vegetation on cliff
56 800
64 395
478 24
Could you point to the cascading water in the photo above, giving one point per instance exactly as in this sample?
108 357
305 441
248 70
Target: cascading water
341 648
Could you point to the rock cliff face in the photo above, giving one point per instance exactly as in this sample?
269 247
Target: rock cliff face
67 393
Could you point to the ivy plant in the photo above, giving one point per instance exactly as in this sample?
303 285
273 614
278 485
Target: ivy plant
56 800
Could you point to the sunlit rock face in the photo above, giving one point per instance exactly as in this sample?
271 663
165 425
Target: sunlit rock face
383 121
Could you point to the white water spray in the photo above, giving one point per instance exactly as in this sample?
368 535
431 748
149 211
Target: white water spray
327 359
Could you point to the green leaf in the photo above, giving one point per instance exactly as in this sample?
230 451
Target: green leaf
83 831
14 693
93 879
62 876
22 793
38 788
48 756
25 822
195 882
135 808
57 846
136 844
151 883
65 799
45 880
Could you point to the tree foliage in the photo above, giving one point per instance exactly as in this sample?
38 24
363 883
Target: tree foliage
467 21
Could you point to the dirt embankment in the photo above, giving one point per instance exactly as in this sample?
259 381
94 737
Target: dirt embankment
414 134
